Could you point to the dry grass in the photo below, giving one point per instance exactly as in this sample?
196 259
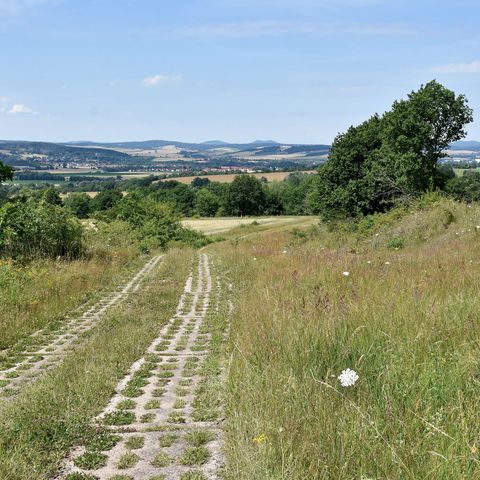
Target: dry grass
211 226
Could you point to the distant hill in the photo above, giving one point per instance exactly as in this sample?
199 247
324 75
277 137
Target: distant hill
208 145
466 145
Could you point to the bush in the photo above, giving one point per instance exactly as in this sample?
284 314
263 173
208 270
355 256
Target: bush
79 204
39 230
156 224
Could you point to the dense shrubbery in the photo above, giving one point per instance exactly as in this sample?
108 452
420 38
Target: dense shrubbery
156 224
31 230
466 188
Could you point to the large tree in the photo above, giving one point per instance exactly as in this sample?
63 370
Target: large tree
392 156
245 196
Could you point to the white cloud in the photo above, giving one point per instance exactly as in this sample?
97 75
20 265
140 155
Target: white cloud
20 108
459 68
158 79
267 28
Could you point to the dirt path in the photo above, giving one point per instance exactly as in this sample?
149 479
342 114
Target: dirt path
157 425
44 349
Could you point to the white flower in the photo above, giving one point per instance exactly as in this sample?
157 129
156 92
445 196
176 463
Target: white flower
346 274
348 378
369 262
387 263
284 251
254 258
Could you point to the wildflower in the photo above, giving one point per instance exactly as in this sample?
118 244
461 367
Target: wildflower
387 263
346 274
369 262
284 251
254 258
262 438
348 377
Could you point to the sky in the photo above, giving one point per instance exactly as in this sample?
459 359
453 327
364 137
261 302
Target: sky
296 71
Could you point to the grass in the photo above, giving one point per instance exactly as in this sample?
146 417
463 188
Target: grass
127 460
134 443
161 460
39 294
54 413
91 460
194 456
405 319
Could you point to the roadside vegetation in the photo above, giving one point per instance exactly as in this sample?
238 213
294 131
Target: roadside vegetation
395 300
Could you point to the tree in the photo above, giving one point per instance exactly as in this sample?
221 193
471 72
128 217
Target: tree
79 204
391 157
206 203
106 199
465 188
51 196
6 172
199 182
245 196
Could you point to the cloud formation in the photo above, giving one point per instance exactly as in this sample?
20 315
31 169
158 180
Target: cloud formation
159 79
459 68
20 108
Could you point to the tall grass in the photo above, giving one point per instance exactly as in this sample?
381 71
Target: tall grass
406 319
39 293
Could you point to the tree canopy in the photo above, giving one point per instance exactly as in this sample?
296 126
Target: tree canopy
393 156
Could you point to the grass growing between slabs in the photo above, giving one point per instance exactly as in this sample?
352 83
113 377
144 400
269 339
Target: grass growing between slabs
54 413
397 301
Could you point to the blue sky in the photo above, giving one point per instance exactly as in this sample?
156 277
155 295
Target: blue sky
237 70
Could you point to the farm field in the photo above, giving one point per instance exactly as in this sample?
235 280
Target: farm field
212 226
228 178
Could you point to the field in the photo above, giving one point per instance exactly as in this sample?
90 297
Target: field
158 382
212 226
228 178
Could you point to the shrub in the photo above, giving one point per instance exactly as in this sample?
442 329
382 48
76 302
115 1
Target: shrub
39 230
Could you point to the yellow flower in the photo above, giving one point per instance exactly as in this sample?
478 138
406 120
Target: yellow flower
474 449
262 438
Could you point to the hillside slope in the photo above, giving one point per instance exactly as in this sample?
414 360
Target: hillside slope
396 301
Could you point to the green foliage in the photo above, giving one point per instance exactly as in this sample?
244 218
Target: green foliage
206 203
106 199
156 224
51 196
79 204
393 157
466 188
6 172
29 229
245 196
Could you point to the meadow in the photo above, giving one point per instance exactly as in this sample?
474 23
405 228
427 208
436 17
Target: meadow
396 301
